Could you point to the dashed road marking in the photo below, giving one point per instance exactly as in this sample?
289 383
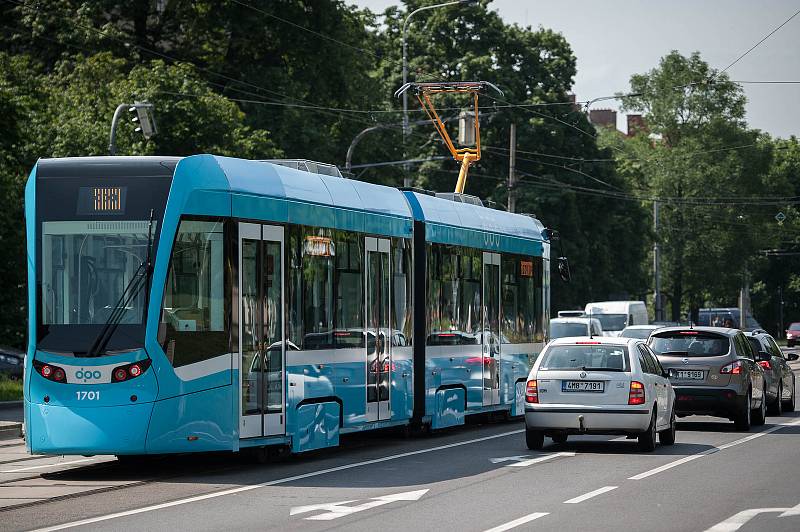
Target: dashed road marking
691 457
517 522
587 496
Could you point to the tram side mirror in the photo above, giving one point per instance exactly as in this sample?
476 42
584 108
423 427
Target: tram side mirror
563 269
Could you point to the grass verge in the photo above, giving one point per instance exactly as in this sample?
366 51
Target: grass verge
10 390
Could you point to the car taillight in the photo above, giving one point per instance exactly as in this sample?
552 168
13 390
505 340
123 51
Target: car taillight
130 371
532 392
765 364
636 395
734 368
50 372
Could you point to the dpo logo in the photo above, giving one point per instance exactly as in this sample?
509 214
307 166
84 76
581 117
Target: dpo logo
87 375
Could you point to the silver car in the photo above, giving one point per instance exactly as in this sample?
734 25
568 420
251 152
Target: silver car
714 372
779 376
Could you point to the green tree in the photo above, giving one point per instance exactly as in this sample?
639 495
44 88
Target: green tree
702 168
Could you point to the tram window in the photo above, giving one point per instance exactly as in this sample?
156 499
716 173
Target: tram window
519 291
311 259
401 296
193 321
454 295
349 310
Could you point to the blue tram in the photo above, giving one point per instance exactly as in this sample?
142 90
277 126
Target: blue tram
209 303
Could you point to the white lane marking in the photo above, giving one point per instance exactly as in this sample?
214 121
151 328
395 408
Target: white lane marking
57 464
516 522
517 458
595 493
737 521
271 483
526 463
336 510
691 457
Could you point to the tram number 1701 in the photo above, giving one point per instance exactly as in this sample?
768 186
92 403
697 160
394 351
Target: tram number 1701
91 396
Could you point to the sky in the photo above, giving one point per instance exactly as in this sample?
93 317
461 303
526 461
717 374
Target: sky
613 39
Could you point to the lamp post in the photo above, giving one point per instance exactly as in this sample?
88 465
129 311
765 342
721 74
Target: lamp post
406 178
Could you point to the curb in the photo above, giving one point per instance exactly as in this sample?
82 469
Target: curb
10 431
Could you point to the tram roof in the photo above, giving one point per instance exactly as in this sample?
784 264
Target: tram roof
451 216
267 179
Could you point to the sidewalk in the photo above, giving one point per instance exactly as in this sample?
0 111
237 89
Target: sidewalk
10 420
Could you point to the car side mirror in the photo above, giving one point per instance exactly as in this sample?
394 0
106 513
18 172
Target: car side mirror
792 356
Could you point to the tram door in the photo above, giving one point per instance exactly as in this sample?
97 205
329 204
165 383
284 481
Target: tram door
491 329
378 333
261 332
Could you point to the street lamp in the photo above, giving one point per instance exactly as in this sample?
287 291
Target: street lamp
406 178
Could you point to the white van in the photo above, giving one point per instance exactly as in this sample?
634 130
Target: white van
616 315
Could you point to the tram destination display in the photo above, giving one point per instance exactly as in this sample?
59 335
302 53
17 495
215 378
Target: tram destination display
106 200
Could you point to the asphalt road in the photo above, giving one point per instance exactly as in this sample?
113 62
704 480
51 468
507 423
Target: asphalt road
477 478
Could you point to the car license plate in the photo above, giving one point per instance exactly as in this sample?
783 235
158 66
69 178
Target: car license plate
582 386
689 375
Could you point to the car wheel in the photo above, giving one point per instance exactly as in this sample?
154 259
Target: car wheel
742 420
788 405
667 436
560 439
534 439
647 439
760 414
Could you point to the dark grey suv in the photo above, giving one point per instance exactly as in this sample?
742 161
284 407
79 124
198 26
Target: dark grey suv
714 372
778 374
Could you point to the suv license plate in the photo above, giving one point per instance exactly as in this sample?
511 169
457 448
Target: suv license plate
582 386
689 375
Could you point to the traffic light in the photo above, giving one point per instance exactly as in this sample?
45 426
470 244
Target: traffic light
144 118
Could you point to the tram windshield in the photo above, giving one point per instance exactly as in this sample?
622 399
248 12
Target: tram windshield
92 225
86 266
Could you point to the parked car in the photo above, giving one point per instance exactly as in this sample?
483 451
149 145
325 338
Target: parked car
641 332
616 315
779 376
566 327
599 386
792 334
714 372
11 362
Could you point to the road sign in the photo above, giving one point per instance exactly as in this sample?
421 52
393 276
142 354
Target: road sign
780 217
335 510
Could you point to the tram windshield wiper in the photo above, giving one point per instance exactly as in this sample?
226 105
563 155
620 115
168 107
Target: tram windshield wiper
140 279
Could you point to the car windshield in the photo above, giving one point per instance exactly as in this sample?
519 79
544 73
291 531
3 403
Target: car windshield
642 334
599 356
563 330
612 322
690 343
794 327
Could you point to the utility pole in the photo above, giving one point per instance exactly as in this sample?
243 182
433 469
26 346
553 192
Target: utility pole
512 163
780 312
658 302
744 298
